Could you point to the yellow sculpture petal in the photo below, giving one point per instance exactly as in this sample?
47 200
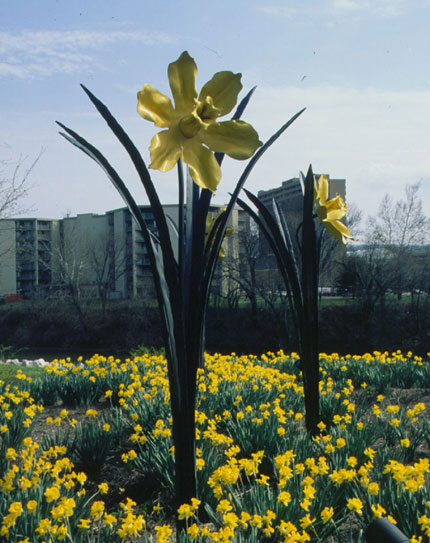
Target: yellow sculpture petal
154 106
338 230
223 88
193 132
333 231
343 229
182 78
204 169
330 211
321 189
165 151
335 208
235 138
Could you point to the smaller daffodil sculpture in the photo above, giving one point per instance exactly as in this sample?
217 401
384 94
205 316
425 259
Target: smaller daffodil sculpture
299 264
183 262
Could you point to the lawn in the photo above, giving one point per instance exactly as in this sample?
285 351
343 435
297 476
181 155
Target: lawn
8 373
86 451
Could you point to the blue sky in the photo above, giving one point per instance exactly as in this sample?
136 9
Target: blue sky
361 67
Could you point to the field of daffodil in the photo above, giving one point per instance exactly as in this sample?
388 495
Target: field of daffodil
86 451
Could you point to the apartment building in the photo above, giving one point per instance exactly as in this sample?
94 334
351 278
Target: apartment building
88 255
26 254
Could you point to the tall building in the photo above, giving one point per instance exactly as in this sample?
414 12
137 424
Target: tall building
88 255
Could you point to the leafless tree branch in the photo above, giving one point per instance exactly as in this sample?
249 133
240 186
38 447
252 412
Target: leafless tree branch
14 185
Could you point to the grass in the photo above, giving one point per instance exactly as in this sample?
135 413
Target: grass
8 373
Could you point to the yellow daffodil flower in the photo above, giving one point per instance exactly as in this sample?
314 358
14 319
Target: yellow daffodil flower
193 132
355 504
330 211
326 514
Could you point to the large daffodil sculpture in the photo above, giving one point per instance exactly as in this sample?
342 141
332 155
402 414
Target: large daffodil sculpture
330 212
193 132
183 255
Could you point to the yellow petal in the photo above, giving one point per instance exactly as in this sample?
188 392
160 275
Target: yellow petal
190 125
206 110
336 203
335 214
182 78
154 106
223 88
343 229
335 209
338 230
322 192
204 169
165 150
333 231
235 138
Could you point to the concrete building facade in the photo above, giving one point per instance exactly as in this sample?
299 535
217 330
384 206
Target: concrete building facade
91 255
26 254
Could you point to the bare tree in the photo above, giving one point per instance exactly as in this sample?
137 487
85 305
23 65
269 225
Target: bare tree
397 230
107 263
367 274
353 220
241 272
400 224
68 265
14 185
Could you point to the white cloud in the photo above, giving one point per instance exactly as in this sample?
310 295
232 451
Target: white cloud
40 54
377 7
278 11
378 140
336 8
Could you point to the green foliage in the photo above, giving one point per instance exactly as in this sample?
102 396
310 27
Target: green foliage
74 384
142 350
91 442
77 390
44 390
384 371
94 444
16 419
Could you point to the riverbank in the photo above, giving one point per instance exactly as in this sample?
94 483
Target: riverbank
51 329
